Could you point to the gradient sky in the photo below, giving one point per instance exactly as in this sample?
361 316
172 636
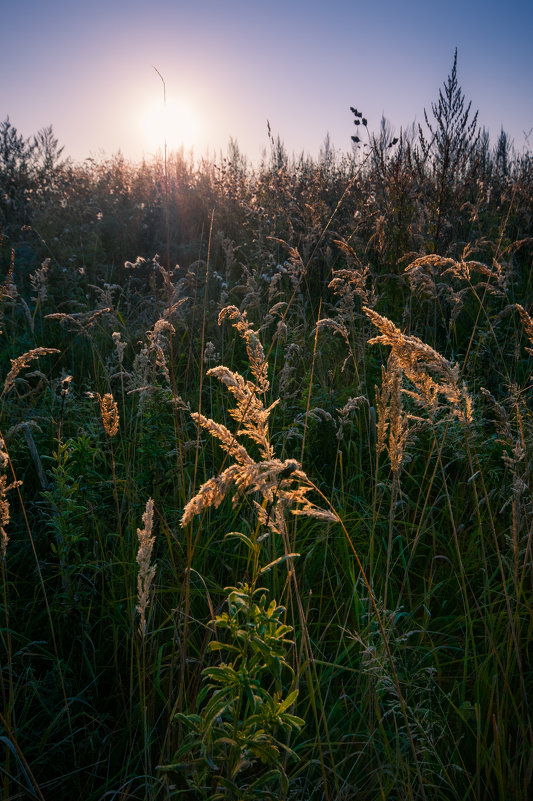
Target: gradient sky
87 69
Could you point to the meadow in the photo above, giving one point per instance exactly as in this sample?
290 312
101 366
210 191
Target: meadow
266 470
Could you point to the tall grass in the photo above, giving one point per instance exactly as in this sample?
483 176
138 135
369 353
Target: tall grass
172 625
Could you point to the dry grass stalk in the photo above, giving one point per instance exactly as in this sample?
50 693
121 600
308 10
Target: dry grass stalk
152 359
280 483
105 295
146 569
4 503
294 265
65 385
352 405
348 283
211 493
288 384
338 327
225 437
250 414
210 353
8 290
39 281
109 413
18 364
433 276
254 348
392 428
80 322
426 273
159 343
120 348
418 362
4 516
515 454
528 325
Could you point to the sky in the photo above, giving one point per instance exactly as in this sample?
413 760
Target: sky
228 66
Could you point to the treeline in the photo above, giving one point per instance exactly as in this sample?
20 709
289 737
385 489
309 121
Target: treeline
425 190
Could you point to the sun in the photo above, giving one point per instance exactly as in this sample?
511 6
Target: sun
172 122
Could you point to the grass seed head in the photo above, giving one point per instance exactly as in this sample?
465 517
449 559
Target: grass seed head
146 569
109 413
18 364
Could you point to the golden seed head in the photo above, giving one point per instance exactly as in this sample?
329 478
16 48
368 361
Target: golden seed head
109 412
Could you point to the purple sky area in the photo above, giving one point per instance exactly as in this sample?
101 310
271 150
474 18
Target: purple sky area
229 65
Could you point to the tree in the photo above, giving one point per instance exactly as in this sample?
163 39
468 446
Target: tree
29 171
502 154
15 179
450 146
47 153
15 153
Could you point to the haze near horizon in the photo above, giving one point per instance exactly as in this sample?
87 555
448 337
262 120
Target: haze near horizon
229 67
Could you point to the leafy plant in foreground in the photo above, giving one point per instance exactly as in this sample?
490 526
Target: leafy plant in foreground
244 721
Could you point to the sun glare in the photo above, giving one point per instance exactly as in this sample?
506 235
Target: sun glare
172 122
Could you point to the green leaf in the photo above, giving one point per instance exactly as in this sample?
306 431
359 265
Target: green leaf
278 561
222 673
293 721
237 535
289 701
221 646
191 721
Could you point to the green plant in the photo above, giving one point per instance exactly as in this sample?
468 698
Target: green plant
453 139
243 706
237 745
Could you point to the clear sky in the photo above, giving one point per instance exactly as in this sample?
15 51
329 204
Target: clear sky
230 65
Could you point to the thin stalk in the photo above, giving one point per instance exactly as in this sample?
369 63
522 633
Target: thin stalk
385 642
310 384
392 511
26 768
7 701
47 606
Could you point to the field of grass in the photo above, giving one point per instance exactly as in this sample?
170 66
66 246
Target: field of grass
266 478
